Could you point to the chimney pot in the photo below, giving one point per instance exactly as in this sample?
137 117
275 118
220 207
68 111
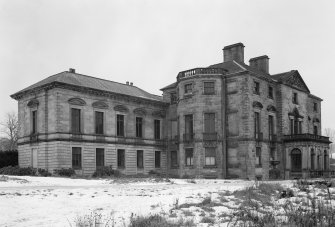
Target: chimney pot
261 63
127 82
234 52
131 83
71 70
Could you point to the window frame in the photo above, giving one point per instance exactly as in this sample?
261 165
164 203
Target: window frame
139 127
256 88
140 159
210 152
315 107
295 98
209 90
120 128
258 155
189 159
157 129
174 157
99 129
158 156
270 92
188 88
103 157
121 164
73 158
73 131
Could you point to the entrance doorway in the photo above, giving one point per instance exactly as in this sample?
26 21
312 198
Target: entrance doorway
296 160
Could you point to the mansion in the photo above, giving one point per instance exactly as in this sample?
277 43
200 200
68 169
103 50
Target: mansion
226 120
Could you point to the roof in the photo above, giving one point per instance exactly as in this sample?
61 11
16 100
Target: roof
291 78
173 85
80 80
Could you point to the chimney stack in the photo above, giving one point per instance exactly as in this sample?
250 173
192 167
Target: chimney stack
127 82
234 52
131 83
261 63
71 70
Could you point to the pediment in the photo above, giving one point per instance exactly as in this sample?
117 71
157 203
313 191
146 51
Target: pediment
295 80
295 113
159 113
100 105
77 101
271 108
33 103
140 111
256 104
121 108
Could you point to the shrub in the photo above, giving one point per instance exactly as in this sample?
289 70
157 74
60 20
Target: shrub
43 172
65 172
208 220
9 158
15 170
103 171
157 220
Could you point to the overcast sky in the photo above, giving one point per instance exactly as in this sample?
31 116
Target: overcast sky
149 42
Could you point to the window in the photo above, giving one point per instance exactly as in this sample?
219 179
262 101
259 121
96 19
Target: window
120 158
174 159
270 92
139 122
273 154
256 88
99 122
189 156
119 125
291 126
139 159
271 127
258 157
189 127
210 156
312 159
257 126
209 122
315 130
296 160
75 120
209 88
295 98
157 159
100 157
76 157
315 107
325 161
188 88
173 97
157 129
34 122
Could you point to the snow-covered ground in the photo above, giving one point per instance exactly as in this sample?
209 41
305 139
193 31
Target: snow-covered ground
53 201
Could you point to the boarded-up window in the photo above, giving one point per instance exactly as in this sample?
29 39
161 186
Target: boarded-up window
99 122
119 125
189 156
34 122
139 159
209 122
120 158
76 157
139 122
157 159
75 120
157 129
100 157
174 159
210 156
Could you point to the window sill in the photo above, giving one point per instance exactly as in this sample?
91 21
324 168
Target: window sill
208 93
188 95
210 167
190 167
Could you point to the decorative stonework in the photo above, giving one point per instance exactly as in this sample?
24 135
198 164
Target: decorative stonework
33 103
121 108
158 113
140 111
295 113
295 80
256 104
77 101
100 105
271 108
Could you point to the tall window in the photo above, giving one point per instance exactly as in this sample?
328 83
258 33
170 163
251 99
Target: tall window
312 159
76 157
258 157
173 97
315 107
295 98
100 157
210 156
157 159
157 129
119 125
139 159
174 159
120 158
34 122
75 121
296 160
139 122
273 155
271 127
209 88
209 122
256 88
99 122
188 88
270 95
189 156
257 126
189 127
315 130
325 161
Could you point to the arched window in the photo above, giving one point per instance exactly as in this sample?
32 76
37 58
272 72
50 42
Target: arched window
296 160
325 161
312 159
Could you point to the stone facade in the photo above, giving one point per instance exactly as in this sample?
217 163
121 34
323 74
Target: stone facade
214 122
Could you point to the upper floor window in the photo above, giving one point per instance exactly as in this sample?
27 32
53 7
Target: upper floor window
295 98
257 126
173 97
34 122
315 130
119 125
295 126
209 122
75 120
99 122
188 89
139 122
157 129
256 88
270 95
188 127
271 126
315 107
209 88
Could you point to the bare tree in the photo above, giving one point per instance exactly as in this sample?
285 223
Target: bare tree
10 127
331 134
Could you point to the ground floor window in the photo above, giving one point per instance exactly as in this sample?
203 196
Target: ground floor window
139 159
120 158
100 157
273 154
312 159
157 159
210 156
296 160
174 159
189 156
76 157
325 162
258 162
